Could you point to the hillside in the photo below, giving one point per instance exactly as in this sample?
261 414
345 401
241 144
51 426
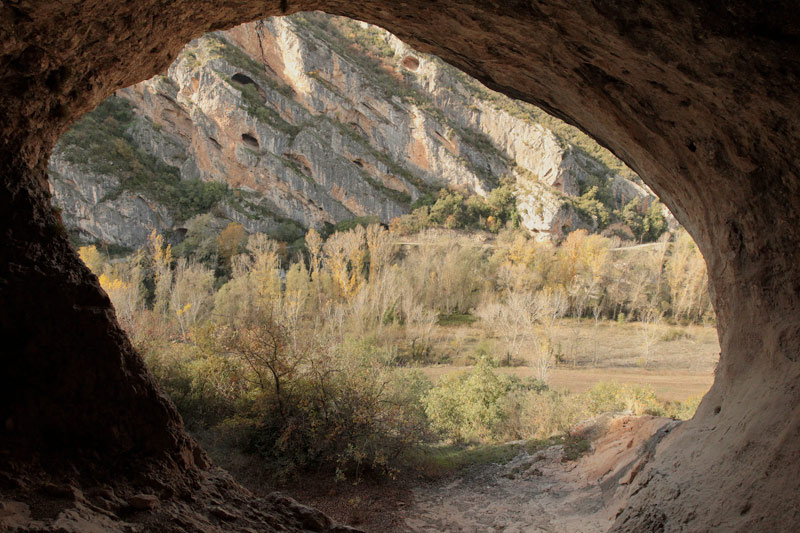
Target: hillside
308 120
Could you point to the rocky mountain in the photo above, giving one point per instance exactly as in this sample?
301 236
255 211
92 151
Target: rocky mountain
295 122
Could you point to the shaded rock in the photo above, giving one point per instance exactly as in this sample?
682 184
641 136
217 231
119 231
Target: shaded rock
700 98
143 502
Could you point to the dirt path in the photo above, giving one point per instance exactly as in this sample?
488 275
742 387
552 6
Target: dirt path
540 493
529 494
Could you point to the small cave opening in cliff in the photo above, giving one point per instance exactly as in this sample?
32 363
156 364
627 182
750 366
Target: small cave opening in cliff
250 140
429 324
243 79
411 63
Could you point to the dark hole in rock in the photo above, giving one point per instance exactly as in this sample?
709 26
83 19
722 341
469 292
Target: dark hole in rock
241 78
215 143
358 163
250 140
411 63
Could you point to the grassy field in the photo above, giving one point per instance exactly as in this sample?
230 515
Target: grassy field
680 363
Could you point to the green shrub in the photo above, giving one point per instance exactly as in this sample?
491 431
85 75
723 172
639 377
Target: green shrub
352 223
538 414
471 406
332 409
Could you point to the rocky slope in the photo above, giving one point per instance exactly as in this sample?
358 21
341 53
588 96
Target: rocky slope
297 121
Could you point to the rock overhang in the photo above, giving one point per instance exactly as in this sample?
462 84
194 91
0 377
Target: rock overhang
700 99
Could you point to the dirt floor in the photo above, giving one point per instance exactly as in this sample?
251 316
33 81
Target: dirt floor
536 491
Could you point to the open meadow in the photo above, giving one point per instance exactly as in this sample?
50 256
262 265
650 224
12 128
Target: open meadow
680 364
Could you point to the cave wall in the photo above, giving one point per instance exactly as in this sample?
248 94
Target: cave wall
697 97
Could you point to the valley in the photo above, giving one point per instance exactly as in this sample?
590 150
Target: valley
358 272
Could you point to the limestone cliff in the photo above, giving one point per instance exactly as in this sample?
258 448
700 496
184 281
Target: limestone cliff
297 121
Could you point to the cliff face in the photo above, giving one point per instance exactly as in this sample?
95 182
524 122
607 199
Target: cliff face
297 121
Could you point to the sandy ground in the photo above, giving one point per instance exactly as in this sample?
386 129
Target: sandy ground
541 493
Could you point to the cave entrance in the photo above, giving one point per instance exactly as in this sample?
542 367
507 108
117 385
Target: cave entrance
708 136
558 316
250 140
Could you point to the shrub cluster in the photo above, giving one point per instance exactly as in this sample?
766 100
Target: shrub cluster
305 360
454 210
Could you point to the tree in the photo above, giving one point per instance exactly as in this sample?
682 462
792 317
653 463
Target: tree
264 350
191 293
200 242
381 248
551 304
513 320
161 257
92 259
265 272
654 223
345 257
230 242
314 247
649 319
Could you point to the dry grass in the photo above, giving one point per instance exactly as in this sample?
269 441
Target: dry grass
680 364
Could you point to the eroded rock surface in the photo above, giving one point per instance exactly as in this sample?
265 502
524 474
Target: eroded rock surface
699 98
312 119
214 503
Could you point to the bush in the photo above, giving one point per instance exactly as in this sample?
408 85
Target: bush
337 410
472 406
538 414
681 410
609 397
674 334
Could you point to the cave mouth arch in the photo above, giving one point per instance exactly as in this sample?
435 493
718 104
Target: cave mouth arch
250 140
698 99
243 79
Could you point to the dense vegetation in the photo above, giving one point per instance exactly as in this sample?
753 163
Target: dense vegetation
310 359
456 210
306 349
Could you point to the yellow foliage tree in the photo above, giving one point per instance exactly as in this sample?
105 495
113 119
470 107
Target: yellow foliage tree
230 241
92 258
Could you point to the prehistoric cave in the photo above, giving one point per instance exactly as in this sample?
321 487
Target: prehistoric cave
249 140
699 98
243 79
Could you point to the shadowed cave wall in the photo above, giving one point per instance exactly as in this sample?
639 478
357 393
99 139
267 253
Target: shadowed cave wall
699 98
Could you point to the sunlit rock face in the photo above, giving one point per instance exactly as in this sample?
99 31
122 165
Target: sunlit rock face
700 98
316 119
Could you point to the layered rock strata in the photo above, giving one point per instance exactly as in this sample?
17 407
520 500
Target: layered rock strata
312 119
